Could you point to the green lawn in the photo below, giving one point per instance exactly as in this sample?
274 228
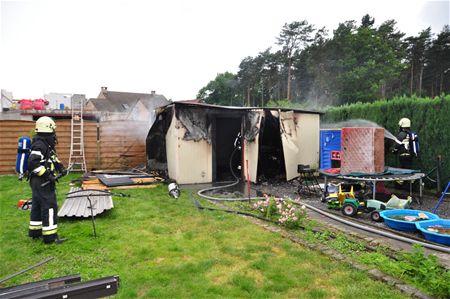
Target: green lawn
162 247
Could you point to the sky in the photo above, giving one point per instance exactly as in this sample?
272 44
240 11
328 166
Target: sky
173 47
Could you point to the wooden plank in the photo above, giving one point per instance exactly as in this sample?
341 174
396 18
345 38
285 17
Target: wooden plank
146 180
94 186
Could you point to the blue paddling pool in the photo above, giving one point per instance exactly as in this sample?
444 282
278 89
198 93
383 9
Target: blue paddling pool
437 230
405 220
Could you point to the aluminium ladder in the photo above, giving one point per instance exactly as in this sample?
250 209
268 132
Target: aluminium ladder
77 161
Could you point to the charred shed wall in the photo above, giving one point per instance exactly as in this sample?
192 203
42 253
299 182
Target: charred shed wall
188 161
156 142
191 147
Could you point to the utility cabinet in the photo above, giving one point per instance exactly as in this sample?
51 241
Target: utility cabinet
330 147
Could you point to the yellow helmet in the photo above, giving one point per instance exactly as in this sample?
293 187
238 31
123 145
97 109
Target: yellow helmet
405 123
45 125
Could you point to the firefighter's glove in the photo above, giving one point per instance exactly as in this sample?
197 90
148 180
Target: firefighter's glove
63 172
51 178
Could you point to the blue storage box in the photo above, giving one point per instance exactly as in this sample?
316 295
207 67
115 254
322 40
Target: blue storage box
435 236
330 140
403 225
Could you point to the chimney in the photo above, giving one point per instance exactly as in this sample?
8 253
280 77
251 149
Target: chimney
103 92
153 92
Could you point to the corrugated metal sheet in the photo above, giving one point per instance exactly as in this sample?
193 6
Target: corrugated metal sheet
77 203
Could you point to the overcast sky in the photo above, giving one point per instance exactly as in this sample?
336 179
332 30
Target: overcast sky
174 47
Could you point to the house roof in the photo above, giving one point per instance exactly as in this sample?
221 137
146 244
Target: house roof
117 101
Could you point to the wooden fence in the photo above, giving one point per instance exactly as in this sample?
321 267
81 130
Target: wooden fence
108 145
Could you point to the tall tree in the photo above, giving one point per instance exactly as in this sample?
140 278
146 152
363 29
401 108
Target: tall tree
293 38
417 48
367 21
248 76
392 38
369 62
221 91
269 65
258 77
437 70
311 70
358 63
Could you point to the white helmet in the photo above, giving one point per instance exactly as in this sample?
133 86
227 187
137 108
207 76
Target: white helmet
404 123
45 125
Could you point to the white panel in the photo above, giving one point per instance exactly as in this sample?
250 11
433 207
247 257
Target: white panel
308 138
195 161
251 151
188 162
172 149
289 139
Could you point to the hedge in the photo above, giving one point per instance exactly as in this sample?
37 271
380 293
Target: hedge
430 118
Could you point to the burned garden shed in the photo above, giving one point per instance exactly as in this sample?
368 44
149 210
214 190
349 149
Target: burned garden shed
201 143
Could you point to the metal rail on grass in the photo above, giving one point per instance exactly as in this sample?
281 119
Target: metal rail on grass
20 291
98 288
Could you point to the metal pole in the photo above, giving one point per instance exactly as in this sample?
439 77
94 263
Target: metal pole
27 269
420 189
92 215
374 189
325 189
438 174
442 198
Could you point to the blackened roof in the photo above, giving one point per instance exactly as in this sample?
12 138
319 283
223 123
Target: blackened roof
204 105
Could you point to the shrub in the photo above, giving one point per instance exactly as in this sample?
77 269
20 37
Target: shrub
281 210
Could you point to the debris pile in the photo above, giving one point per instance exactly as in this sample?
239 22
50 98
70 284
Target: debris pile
102 180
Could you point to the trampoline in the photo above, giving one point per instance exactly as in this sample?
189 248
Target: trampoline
389 175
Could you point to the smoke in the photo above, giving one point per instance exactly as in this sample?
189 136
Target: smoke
320 98
128 131
359 123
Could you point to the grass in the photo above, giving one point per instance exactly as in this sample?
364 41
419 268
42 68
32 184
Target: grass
415 268
166 248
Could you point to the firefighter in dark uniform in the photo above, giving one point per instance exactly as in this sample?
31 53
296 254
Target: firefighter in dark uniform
403 148
44 166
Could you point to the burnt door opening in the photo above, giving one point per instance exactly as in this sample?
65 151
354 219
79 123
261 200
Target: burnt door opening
225 131
271 158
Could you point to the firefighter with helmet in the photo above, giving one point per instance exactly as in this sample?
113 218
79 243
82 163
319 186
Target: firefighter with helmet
44 167
402 148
